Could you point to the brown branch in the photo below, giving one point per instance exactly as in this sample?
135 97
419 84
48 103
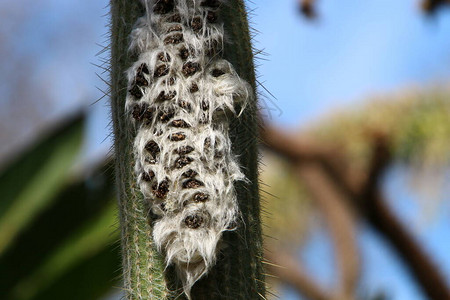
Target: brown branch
382 219
308 8
288 270
363 192
381 158
423 269
301 148
330 200
340 222
431 6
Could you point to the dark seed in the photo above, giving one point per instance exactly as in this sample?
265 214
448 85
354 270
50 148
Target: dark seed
161 71
165 97
157 132
174 39
207 142
184 53
189 174
193 88
171 81
148 115
197 24
203 119
183 161
140 80
143 68
205 105
135 91
217 72
185 105
175 137
165 116
190 68
218 154
192 184
193 221
163 6
200 197
211 16
212 48
161 190
148 176
137 112
180 124
164 57
176 27
153 148
176 18
184 150
142 112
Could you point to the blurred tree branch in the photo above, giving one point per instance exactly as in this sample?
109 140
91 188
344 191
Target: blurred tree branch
294 275
308 8
338 215
340 222
431 6
361 190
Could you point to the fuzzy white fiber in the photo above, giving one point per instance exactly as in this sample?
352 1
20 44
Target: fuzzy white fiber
180 96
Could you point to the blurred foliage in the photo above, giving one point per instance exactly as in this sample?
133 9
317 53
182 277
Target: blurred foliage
59 226
30 184
286 206
416 123
58 234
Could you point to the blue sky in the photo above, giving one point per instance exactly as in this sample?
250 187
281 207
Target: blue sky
356 49
381 268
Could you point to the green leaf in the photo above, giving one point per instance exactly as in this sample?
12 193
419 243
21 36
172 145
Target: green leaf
29 185
91 279
79 202
91 239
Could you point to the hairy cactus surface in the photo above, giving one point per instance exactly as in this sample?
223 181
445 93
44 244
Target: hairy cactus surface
181 95
185 126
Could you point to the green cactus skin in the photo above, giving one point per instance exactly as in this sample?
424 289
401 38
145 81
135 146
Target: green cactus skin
238 273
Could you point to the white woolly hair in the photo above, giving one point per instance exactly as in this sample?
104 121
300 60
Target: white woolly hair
181 95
